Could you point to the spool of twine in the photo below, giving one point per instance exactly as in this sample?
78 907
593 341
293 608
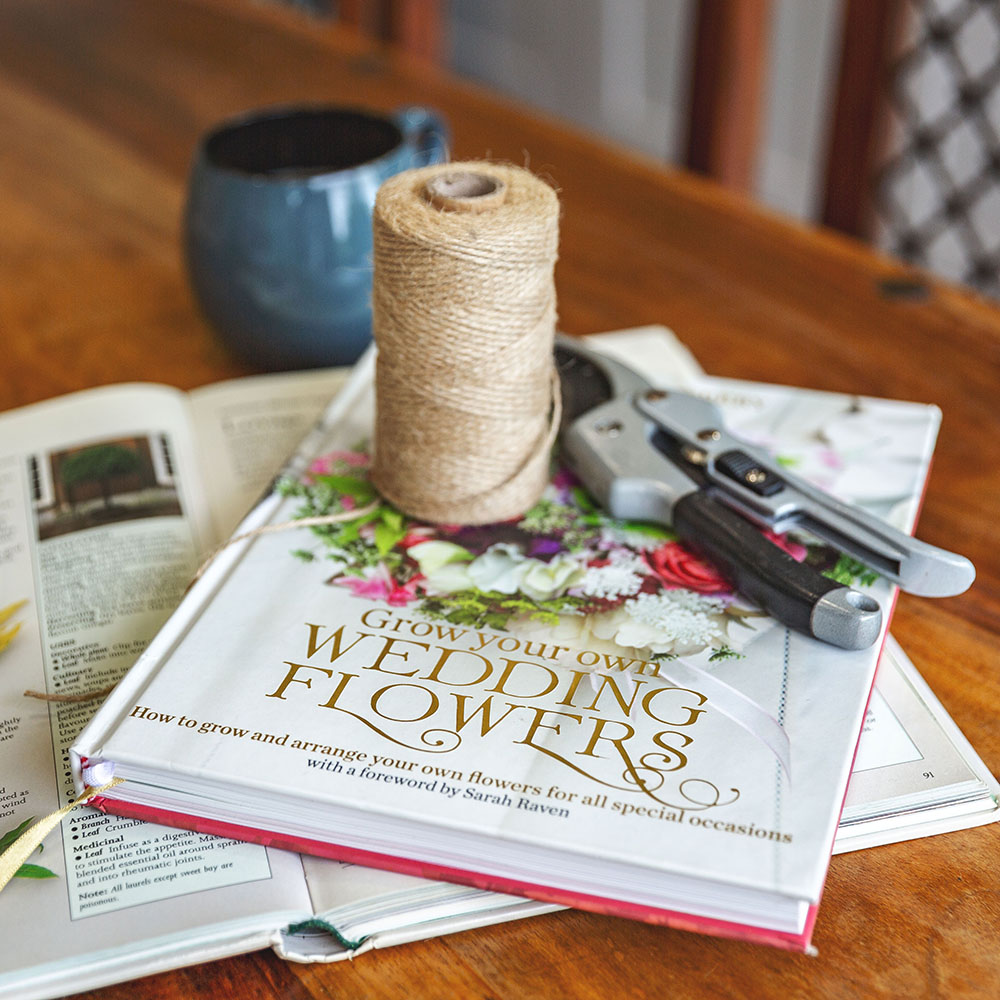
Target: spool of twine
464 319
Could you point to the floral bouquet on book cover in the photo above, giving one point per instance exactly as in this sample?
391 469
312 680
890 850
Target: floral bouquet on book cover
564 568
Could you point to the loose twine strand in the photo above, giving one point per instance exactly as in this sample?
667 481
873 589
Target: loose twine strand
467 399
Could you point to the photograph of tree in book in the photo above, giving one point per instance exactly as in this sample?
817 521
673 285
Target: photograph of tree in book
564 568
102 482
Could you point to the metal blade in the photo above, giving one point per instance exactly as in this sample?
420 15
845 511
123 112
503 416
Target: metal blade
589 379
605 439
751 482
610 439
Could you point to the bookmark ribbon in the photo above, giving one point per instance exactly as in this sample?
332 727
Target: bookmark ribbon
735 705
29 841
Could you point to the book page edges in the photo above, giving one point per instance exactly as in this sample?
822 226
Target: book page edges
925 823
789 941
146 960
326 949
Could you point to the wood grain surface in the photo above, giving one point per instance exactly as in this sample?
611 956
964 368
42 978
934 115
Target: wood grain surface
101 105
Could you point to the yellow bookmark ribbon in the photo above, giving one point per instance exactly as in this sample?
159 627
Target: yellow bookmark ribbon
26 845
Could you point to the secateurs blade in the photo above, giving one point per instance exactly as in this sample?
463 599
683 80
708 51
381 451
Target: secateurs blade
664 456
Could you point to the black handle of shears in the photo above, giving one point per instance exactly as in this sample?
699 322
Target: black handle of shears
788 590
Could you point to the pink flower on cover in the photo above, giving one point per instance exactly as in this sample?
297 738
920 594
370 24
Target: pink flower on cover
380 586
325 464
797 551
415 534
830 458
402 594
374 588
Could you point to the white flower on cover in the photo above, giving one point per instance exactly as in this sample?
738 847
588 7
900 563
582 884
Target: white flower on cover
434 554
500 568
542 580
443 566
448 579
617 579
633 536
672 621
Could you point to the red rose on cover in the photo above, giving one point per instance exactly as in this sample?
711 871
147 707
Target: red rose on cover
676 567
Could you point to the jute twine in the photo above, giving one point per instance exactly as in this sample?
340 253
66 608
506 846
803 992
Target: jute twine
464 319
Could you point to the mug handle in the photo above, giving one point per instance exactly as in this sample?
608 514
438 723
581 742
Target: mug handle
426 131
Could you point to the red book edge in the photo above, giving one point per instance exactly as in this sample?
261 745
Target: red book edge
420 869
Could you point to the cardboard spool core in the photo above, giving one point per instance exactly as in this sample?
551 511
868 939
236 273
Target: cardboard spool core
465 191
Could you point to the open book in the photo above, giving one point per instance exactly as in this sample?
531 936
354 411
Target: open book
554 708
224 444
915 774
109 500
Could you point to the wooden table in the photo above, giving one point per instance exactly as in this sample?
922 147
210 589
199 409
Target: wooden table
101 103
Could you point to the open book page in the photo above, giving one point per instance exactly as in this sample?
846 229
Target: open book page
247 427
102 522
915 773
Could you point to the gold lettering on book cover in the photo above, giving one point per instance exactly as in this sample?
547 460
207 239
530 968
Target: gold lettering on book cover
595 724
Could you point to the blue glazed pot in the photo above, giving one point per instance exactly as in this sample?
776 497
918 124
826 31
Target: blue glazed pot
277 227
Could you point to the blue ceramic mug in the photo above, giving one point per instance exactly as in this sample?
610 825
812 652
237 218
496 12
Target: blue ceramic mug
277 228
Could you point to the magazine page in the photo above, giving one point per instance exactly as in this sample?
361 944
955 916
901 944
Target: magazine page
543 683
247 428
891 755
915 773
102 522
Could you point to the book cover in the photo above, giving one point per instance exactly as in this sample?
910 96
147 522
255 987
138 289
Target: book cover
564 706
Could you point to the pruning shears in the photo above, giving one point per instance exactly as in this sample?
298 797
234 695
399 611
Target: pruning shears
663 456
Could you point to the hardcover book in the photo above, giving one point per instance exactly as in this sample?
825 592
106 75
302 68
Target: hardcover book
565 707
